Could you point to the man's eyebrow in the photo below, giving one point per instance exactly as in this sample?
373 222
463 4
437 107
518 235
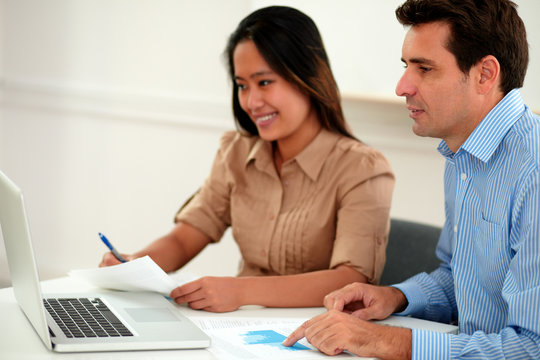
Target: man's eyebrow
254 75
419 60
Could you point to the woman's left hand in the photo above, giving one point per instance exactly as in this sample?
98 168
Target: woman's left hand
215 294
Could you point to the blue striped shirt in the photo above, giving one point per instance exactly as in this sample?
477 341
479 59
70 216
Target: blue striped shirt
489 278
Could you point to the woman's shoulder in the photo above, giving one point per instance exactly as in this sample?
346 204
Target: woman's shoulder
359 150
357 156
234 142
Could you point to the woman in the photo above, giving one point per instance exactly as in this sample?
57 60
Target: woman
308 203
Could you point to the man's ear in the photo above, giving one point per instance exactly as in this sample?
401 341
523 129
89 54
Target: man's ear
489 73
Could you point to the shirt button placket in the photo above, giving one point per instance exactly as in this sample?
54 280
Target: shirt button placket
460 195
463 177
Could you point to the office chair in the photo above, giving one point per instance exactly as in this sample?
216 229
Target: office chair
410 250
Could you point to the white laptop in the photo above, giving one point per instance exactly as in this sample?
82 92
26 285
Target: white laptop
84 322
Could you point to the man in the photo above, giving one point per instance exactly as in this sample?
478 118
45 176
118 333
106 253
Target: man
465 61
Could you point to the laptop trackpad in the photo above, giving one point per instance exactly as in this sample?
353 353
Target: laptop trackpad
151 314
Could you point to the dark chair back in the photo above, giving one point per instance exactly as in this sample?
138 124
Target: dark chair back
410 250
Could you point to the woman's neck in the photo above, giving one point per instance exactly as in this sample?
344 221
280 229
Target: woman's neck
287 148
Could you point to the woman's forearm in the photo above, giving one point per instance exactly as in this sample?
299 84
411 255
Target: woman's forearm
301 290
175 249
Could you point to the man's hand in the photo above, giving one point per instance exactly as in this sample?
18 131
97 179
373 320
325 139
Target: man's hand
366 302
334 332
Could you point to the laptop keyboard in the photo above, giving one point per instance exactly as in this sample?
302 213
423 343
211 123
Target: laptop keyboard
85 317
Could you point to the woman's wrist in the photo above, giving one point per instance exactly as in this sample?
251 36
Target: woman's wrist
245 289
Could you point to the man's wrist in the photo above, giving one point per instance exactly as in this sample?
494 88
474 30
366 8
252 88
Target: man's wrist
401 300
401 344
387 342
395 343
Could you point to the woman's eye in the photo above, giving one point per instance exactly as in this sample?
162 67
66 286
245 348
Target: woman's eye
241 86
264 82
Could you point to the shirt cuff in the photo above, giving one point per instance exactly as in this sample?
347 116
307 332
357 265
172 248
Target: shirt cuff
416 299
430 345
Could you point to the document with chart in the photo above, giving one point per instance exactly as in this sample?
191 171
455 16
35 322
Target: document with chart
249 338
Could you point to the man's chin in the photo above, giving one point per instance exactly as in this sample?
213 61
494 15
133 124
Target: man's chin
423 132
418 131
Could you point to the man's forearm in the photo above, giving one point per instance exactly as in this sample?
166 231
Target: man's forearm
390 342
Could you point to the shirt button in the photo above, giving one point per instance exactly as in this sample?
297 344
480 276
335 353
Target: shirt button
455 228
463 176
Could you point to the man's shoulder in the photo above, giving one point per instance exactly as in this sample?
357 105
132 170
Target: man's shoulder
528 124
526 132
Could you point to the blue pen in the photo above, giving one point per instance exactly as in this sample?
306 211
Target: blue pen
113 250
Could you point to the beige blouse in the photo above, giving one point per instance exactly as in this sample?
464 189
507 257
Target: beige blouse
329 206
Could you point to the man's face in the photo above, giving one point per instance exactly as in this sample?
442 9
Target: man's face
439 96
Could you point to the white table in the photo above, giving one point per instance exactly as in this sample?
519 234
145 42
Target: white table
18 339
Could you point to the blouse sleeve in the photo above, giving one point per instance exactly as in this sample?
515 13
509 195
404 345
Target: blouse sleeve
363 217
209 209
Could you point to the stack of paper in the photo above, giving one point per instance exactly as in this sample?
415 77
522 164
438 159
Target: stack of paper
141 274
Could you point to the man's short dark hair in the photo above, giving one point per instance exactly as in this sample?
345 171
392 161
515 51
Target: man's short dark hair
477 28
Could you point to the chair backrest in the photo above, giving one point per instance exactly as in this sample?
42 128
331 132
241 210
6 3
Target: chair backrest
410 250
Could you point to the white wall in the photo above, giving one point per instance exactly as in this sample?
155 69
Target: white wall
363 39
111 111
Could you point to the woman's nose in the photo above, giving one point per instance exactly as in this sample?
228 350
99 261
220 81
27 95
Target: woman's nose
254 99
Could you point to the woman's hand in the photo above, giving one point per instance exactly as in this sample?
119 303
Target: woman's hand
109 259
216 294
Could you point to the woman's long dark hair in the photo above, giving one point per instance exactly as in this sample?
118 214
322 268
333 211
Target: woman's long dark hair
290 43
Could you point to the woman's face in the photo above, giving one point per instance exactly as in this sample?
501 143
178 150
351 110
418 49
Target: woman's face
278 108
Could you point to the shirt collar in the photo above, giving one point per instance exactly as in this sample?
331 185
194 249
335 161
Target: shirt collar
310 160
261 156
487 136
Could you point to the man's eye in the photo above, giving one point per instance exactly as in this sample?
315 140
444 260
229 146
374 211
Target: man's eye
425 69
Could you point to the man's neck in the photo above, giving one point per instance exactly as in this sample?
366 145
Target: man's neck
456 140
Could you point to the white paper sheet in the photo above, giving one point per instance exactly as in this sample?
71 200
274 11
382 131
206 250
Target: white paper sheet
249 338
141 274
